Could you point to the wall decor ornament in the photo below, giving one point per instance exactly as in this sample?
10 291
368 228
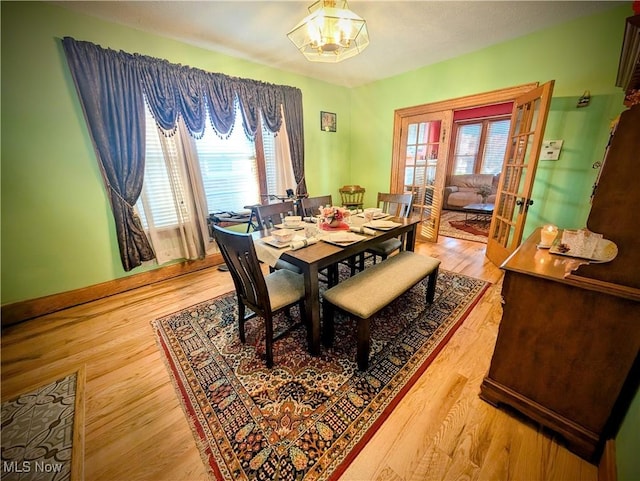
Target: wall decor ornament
328 121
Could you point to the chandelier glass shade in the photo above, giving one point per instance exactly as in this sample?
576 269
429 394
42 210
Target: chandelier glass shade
330 33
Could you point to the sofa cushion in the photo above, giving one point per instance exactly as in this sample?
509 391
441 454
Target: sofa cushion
472 181
459 199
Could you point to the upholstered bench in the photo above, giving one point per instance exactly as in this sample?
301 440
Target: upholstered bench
370 290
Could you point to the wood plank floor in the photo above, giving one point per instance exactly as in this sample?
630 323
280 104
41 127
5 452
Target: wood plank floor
135 428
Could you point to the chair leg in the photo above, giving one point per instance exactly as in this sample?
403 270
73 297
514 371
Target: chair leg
327 324
352 265
241 312
431 285
303 314
332 275
363 344
268 324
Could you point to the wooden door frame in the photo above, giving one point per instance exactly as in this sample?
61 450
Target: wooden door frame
508 94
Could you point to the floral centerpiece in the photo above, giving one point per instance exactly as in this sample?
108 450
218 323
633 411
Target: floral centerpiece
484 191
334 216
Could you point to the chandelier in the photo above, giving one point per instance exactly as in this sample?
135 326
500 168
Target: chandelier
330 34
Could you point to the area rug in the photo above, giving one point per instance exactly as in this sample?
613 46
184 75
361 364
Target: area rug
452 224
42 432
307 417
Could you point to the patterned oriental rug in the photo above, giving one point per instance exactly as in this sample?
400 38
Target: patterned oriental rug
308 417
452 224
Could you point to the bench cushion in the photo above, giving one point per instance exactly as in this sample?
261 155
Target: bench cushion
367 292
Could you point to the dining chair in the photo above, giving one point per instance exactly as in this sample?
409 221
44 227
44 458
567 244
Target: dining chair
270 215
311 205
267 216
266 295
352 196
397 205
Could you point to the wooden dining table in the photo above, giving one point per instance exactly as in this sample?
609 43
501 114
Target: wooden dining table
321 255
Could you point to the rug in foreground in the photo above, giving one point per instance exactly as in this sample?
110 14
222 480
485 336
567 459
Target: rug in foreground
307 417
37 433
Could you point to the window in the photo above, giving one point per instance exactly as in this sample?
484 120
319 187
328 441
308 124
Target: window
480 146
229 169
235 171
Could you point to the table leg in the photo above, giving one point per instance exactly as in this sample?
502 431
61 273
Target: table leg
312 308
410 242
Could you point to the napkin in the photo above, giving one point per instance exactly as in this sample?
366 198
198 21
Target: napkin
302 243
362 230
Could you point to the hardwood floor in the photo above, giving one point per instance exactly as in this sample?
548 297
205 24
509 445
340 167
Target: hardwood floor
135 428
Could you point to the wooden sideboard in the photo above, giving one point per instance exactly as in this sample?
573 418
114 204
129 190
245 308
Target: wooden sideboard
565 348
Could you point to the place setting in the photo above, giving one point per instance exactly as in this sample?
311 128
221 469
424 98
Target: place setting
342 239
373 213
282 238
381 224
292 222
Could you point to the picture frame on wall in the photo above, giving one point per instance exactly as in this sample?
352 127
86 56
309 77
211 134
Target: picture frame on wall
328 121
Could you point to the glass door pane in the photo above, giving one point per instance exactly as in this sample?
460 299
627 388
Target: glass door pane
521 160
424 160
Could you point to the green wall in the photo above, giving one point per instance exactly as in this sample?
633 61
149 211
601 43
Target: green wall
627 443
579 55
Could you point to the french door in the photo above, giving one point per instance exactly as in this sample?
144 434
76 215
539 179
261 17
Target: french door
513 199
426 177
424 145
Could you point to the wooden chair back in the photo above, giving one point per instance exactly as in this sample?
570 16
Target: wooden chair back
311 205
352 196
398 205
269 215
240 256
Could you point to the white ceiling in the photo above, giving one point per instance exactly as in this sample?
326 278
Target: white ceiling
404 35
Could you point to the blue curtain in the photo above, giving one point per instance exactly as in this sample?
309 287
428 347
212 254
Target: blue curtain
111 96
111 85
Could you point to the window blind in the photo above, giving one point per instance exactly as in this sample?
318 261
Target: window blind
157 190
467 145
229 169
269 148
480 146
495 146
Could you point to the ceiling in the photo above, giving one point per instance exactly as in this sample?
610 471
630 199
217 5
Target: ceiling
404 35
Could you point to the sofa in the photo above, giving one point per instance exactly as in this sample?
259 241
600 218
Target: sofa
462 190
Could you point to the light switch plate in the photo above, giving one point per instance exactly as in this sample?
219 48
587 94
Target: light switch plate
551 149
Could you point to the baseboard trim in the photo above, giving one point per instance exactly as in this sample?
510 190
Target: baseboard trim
25 310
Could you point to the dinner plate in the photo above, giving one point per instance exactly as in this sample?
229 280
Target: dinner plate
272 241
344 238
381 224
380 215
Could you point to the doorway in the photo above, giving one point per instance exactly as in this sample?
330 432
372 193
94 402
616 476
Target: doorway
429 190
478 144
